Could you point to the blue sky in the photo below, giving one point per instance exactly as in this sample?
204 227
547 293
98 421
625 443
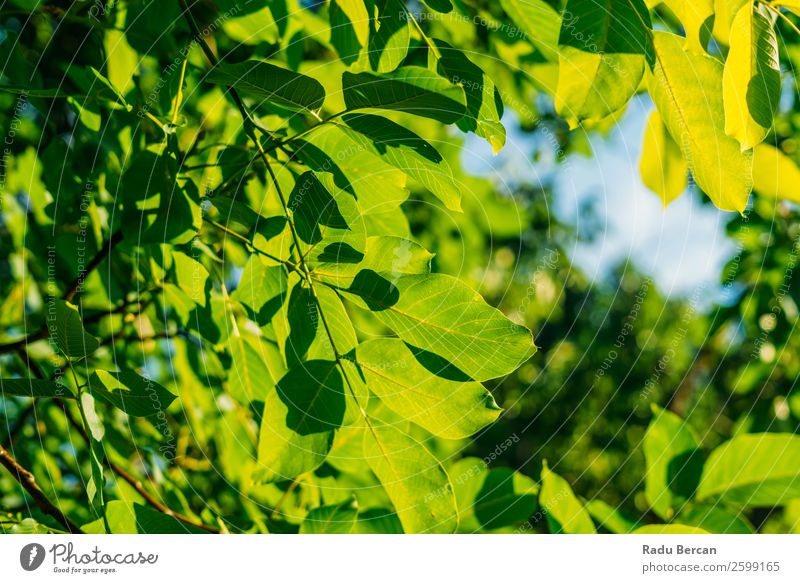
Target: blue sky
681 247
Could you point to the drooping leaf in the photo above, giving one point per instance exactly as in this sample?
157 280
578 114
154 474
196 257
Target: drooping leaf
406 151
66 329
751 80
670 453
95 432
540 23
448 408
333 519
775 174
697 17
440 314
34 388
249 378
414 90
661 166
130 392
271 83
753 470
301 414
388 42
685 88
565 513
409 473
603 49
443 6
484 108
349 28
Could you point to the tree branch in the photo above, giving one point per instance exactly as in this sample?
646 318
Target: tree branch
28 482
102 254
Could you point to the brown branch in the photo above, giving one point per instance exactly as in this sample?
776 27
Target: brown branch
135 482
139 487
28 482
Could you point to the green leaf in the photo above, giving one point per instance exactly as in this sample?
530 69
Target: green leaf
716 520
603 47
271 83
155 206
375 185
565 513
327 219
448 408
393 257
443 6
349 28
302 334
333 519
407 152
262 288
414 90
409 472
301 414
491 499
662 167
685 88
775 174
484 108
96 433
753 470
440 314
130 392
538 21
66 329
314 207
126 518
388 42
751 80
612 519
378 521
34 388
249 377
670 450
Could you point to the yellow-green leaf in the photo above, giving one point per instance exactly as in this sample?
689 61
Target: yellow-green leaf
662 167
697 17
775 174
413 478
751 81
447 407
685 89
565 513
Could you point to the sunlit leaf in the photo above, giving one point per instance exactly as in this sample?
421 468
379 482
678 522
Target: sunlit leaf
685 88
410 474
751 81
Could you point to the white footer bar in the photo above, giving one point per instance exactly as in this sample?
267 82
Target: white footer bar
386 559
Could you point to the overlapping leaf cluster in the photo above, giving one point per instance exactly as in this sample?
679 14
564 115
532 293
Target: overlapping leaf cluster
237 175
